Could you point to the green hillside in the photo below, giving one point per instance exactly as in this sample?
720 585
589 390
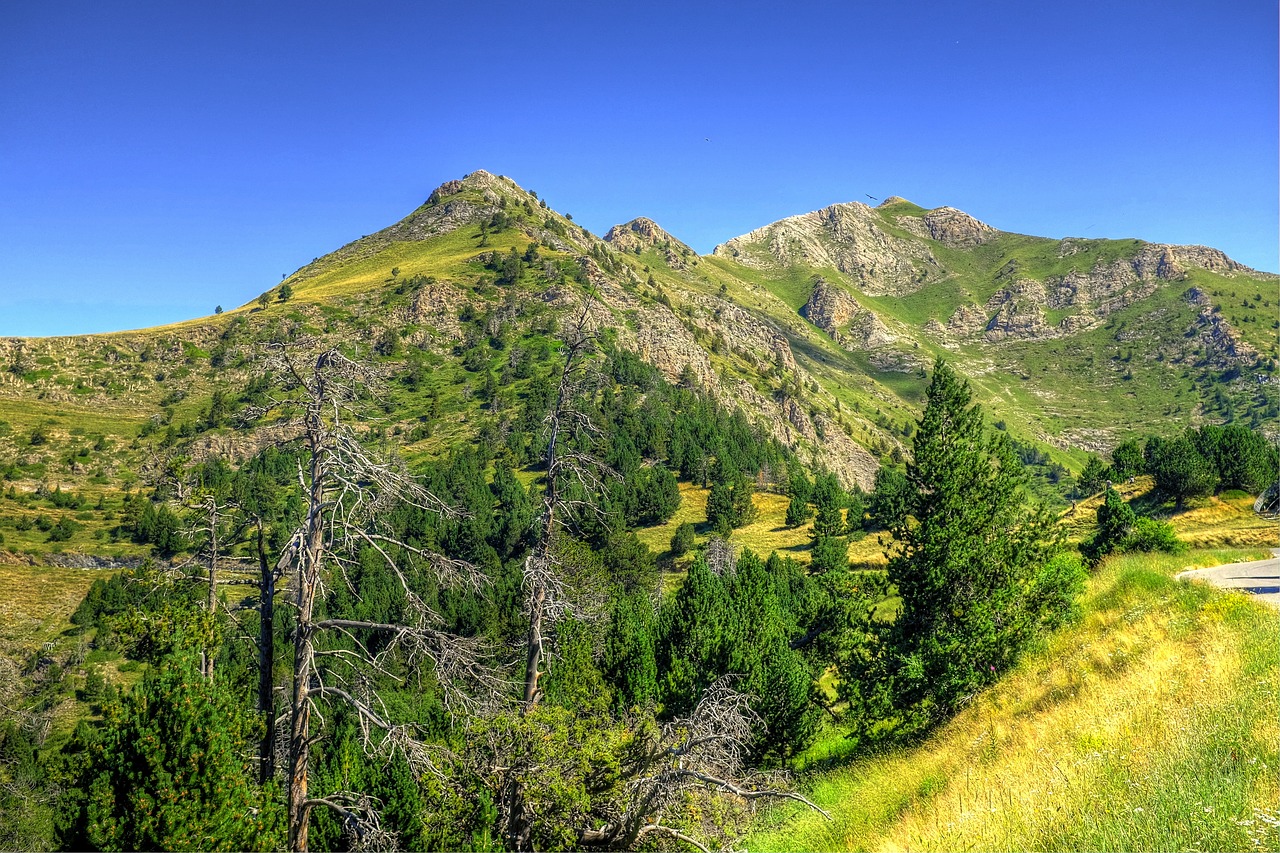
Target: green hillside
673 485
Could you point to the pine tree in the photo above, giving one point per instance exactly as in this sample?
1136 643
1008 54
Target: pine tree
171 770
800 489
970 563
1179 469
890 498
720 503
830 549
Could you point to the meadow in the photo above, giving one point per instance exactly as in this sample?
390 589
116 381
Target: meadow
1149 723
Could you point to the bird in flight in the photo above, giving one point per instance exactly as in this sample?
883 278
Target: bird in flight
873 198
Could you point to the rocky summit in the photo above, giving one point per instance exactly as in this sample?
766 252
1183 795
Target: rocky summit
818 327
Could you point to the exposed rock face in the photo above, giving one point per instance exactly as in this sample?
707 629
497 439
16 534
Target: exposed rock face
435 305
643 233
829 308
950 227
967 319
754 338
842 317
957 229
1206 258
1018 319
659 337
847 237
1222 344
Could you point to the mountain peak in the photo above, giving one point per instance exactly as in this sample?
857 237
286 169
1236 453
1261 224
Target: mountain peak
643 233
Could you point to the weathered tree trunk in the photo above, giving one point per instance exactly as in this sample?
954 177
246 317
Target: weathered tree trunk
206 656
534 657
309 559
266 659
540 559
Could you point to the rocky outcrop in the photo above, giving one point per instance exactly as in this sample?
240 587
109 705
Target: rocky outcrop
847 237
752 337
967 320
1223 346
957 229
829 308
642 233
436 304
950 227
842 317
1019 319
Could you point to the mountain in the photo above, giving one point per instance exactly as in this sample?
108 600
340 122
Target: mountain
819 327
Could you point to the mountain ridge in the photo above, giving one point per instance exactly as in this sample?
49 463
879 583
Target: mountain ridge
820 326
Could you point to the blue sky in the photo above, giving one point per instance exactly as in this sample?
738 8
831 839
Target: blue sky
158 159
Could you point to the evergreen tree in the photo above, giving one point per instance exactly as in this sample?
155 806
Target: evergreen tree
970 566
829 550
1179 469
1116 520
729 505
691 650
1244 459
170 770
799 488
1126 460
629 663
1092 477
889 500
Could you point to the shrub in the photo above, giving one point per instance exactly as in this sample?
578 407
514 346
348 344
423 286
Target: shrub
682 540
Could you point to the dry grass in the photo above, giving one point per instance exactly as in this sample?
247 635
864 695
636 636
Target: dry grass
1216 521
766 534
36 602
1151 723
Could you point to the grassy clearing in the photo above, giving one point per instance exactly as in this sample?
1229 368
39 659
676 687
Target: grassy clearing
36 603
766 534
1149 723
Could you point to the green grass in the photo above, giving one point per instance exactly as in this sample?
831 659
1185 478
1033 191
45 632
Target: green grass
1150 723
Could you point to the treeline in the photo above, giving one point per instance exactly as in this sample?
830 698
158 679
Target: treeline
1201 461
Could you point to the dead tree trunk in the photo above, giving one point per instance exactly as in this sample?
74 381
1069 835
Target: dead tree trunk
349 494
544 595
206 656
266 658
307 581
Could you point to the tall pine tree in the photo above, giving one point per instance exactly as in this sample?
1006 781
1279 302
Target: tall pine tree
971 558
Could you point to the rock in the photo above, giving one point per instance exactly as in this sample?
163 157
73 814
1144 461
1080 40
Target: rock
1018 319
842 317
967 319
957 229
1223 346
1196 296
847 237
643 233
829 308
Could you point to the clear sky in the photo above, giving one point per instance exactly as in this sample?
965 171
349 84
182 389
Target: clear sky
161 158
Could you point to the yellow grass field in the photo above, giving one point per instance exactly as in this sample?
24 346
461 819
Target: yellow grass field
1151 723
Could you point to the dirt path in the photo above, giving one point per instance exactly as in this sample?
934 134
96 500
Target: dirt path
1261 577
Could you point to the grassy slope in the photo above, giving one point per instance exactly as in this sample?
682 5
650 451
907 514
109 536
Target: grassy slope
1149 723
1131 375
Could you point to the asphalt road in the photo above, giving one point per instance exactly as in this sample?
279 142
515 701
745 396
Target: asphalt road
1261 577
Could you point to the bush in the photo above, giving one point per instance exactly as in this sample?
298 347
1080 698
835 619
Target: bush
1152 535
682 540
63 530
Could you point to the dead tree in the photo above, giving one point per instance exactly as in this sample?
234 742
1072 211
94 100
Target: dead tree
349 491
621 783
568 468
702 754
